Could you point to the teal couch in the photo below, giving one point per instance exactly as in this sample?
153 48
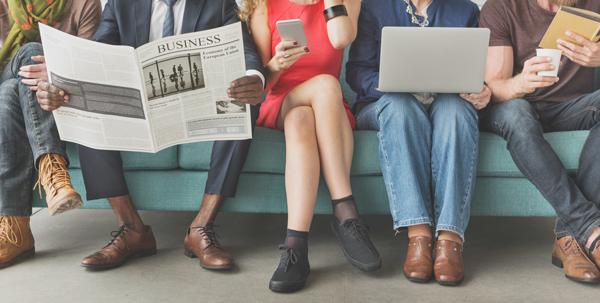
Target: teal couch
174 178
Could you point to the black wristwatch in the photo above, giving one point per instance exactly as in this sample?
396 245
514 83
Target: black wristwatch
335 11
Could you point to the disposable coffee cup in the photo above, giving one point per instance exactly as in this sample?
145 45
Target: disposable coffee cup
555 55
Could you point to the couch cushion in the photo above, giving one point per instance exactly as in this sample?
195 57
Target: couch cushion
166 159
267 153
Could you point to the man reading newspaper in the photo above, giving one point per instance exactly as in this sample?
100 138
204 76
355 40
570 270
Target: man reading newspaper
134 23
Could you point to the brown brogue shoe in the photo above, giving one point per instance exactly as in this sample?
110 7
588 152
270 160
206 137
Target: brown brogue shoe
568 255
201 242
418 266
125 245
449 265
16 240
54 177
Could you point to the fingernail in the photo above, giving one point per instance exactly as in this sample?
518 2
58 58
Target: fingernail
569 33
61 93
306 49
552 66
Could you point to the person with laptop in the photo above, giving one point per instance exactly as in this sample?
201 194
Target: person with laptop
428 142
305 101
526 105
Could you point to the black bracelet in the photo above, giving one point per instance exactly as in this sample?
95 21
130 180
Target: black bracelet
335 11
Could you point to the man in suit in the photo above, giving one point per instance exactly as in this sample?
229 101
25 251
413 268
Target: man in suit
135 23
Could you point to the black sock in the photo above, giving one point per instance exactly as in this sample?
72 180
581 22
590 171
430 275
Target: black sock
345 209
297 240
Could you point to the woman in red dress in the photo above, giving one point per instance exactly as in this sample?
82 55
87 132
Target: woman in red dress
305 101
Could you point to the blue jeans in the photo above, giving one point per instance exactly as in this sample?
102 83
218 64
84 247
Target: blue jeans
26 133
576 199
428 158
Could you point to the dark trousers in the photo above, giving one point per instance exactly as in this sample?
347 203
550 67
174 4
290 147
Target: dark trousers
576 199
104 177
26 133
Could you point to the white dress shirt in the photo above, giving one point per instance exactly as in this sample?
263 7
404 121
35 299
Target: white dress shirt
159 13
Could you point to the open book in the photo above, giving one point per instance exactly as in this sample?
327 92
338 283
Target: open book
580 21
167 92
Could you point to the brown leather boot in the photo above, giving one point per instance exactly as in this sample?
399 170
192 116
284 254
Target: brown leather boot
16 240
568 255
449 265
418 266
201 242
55 179
125 245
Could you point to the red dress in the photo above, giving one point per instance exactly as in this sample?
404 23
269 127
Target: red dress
322 59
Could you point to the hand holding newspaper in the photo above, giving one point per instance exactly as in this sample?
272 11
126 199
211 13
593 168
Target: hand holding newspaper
167 92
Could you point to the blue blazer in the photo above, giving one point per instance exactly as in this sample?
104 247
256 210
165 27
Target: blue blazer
127 22
362 71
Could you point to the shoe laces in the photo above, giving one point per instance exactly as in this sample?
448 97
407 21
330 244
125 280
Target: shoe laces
208 234
573 247
53 174
118 235
288 258
8 234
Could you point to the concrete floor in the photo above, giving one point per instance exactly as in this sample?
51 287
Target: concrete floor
507 260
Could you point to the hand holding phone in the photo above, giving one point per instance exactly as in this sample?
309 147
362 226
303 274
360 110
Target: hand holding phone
292 47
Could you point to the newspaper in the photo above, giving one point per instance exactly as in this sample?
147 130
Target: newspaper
167 92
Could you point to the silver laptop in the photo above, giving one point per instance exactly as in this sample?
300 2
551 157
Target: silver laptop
433 60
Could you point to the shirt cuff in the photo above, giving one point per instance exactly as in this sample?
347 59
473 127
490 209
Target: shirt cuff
252 72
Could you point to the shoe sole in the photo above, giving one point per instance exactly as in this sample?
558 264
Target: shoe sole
417 280
191 255
355 263
20 258
111 266
450 283
286 287
70 203
558 263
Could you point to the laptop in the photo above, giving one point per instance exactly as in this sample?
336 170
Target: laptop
433 60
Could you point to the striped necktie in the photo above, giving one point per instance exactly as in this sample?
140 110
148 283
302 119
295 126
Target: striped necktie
169 25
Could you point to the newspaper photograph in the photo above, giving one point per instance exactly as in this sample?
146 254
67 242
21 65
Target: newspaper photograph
168 92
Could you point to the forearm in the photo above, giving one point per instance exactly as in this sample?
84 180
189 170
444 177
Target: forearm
342 29
273 74
505 89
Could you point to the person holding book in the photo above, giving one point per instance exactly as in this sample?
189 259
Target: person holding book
134 23
29 141
305 101
428 143
526 105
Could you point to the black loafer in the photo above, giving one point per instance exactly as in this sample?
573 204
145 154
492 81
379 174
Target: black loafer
356 244
292 272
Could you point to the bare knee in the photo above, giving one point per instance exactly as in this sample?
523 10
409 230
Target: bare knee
299 124
327 90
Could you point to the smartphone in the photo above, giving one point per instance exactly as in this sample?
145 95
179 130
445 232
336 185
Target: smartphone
292 30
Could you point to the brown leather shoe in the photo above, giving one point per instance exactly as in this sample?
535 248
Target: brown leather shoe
418 266
16 240
56 181
201 242
449 265
568 255
125 245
